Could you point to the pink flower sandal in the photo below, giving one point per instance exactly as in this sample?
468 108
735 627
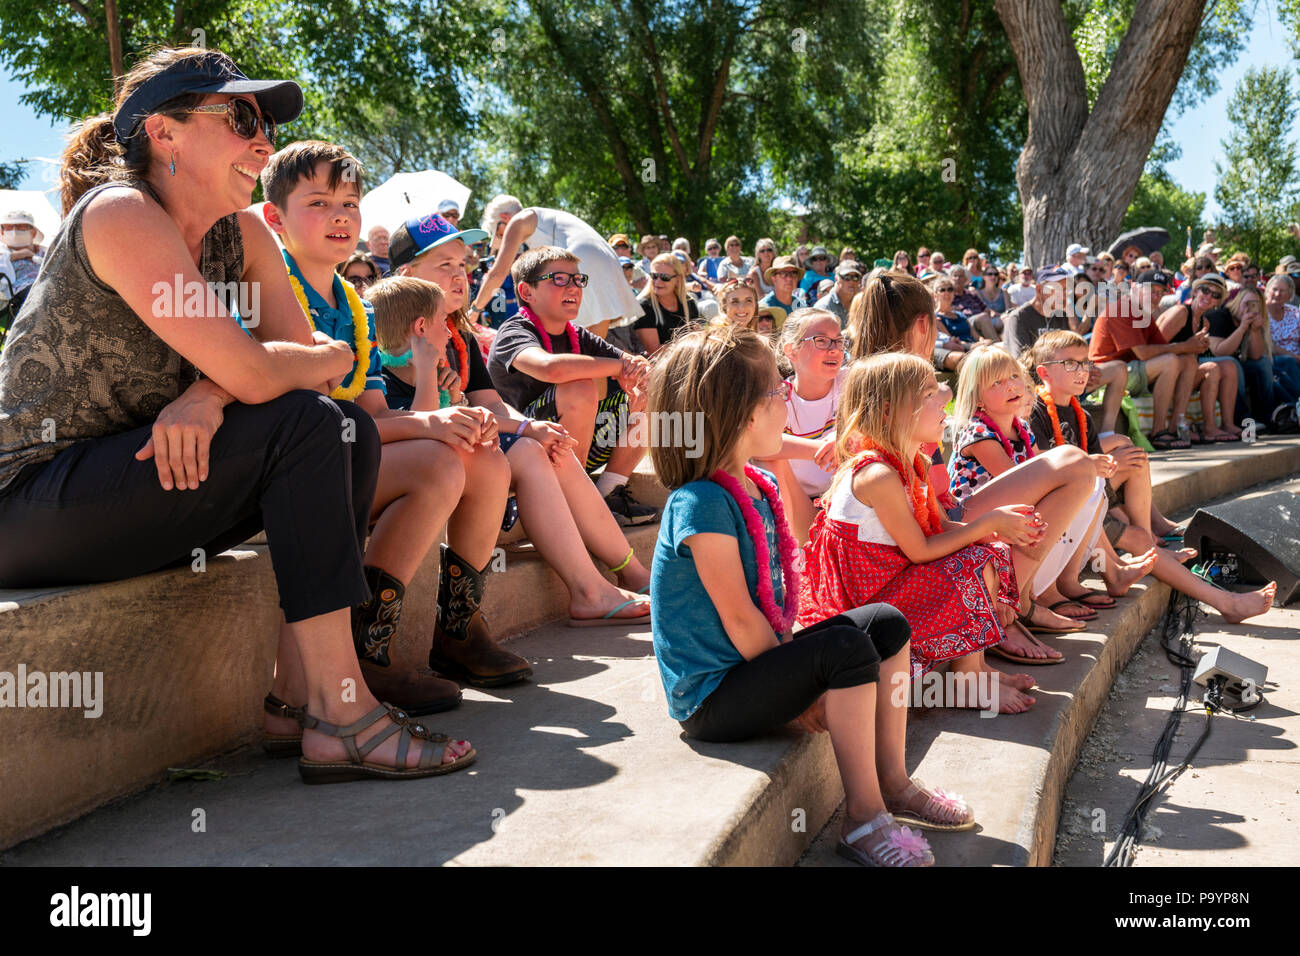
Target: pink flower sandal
893 845
941 810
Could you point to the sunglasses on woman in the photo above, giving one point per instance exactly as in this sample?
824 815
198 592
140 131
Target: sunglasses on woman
243 118
663 276
945 288
1214 296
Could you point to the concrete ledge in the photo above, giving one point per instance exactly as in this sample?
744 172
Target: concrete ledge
580 767
183 679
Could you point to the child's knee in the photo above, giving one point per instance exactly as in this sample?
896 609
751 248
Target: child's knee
578 396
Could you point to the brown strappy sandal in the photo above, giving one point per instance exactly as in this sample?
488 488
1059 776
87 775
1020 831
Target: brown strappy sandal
283 745
356 767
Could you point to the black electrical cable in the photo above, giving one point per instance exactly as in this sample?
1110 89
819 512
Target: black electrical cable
1178 624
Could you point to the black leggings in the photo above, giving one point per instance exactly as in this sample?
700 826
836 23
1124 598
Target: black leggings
93 513
778 685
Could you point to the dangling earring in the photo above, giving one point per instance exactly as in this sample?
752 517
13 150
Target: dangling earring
172 165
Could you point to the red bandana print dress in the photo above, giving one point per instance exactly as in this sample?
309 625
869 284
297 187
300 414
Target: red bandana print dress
944 601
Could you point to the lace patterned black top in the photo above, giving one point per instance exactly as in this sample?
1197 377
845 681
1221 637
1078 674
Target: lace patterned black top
78 362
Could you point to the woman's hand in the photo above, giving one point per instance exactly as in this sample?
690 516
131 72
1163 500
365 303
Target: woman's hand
182 435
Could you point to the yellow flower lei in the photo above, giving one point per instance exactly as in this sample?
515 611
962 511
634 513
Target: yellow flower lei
360 334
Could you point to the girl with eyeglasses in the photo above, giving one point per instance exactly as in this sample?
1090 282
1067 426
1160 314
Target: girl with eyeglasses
666 306
812 347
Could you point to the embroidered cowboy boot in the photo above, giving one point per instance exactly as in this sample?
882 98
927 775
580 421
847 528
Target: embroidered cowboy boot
462 647
374 625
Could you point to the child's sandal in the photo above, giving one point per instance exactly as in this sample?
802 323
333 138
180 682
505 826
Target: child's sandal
356 767
941 811
896 846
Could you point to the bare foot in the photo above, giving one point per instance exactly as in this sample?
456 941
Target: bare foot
1012 701
1182 555
1120 579
1016 681
595 608
1235 608
1023 644
1074 610
1046 617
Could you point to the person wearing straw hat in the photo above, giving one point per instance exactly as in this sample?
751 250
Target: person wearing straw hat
22 242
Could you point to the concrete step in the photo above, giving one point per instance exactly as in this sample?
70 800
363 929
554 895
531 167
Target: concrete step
581 765
186 659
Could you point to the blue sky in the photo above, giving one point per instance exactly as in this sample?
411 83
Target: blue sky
1199 132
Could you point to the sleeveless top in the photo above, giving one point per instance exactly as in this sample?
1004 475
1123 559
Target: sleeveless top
78 362
846 507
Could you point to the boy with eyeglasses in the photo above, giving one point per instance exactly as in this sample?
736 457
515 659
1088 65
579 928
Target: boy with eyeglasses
551 370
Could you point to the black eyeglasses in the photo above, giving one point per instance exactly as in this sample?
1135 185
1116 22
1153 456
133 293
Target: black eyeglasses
562 279
243 118
663 276
945 288
360 281
1072 365
824 343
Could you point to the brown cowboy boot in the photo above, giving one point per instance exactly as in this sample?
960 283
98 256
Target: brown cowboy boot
462 647
374 624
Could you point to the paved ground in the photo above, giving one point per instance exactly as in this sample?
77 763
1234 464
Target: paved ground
1239 803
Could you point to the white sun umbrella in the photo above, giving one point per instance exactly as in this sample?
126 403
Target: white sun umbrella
409 194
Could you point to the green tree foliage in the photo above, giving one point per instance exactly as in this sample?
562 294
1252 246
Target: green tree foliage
1257 185
1159 201
11 174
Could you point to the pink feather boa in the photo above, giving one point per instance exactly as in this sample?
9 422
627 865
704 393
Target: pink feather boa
531 316
781 618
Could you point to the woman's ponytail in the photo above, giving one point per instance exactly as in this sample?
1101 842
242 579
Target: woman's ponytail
92 156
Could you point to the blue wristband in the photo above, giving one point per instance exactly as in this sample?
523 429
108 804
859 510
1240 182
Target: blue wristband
522 425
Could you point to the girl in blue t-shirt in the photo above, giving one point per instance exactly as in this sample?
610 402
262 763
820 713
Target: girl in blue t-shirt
724 593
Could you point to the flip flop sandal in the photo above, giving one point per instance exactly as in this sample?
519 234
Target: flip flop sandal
902 846
282 745
1224 438
997 651
1168 441
1097 600
1089 616
356 767
1177 534
936 813
609 620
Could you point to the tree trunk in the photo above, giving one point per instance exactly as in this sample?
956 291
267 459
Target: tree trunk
1078 169
114 40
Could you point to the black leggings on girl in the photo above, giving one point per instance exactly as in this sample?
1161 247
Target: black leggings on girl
302 466
778 685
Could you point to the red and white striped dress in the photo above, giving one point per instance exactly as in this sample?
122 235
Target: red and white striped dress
851 560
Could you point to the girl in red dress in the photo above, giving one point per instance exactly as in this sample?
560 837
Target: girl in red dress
882 537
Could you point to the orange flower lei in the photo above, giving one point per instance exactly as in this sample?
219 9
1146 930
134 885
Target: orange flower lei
925 504
462 354
360 332
1080 418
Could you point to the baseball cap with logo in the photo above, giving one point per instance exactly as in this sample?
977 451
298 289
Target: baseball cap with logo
419 234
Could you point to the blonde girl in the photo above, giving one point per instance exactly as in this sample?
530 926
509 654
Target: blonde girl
764 256
882 536
992 440
896 314
666 306
738 305
724 593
